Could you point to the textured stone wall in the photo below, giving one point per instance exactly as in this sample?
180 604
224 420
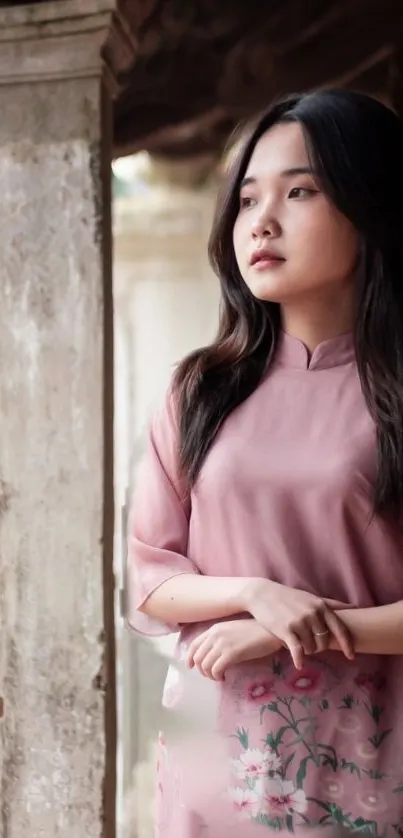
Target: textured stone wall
52 297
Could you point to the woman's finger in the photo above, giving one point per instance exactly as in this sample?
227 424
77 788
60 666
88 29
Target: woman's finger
206 665
341 634
202 651
305 634
219 668
192 649
294 646
321 634
335 605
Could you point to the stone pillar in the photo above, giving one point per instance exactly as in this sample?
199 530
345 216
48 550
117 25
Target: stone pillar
57 667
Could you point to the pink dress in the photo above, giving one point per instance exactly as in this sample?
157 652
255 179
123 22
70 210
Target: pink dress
285 493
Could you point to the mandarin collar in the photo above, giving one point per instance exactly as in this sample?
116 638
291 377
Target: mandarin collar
335 352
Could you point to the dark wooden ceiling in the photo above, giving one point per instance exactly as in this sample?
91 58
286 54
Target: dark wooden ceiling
203 65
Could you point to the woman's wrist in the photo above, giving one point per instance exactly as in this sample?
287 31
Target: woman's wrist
250 589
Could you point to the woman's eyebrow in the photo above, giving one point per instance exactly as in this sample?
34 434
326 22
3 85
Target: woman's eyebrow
295 170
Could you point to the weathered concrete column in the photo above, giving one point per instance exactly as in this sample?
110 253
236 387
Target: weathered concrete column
57 688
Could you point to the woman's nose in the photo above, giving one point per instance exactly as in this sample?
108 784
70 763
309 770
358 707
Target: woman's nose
265 225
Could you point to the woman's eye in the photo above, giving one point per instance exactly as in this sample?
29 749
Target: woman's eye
301 192
246 201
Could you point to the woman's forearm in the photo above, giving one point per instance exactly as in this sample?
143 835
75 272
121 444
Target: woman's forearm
376 631
191 598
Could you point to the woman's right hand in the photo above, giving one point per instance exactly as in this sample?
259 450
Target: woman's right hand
303 622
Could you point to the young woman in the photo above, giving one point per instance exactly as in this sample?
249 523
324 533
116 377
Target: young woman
268 522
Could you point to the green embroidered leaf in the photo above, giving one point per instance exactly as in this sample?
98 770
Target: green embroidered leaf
303 719
375 774
289 823
328 760
324 704
303 817
264 820
338 814
277 667
374 711
326 806
348 702
273 706
351 767
274 740
287 764
328 748
270 741
298 740
243 737
362 825
377 739
398 789
301 773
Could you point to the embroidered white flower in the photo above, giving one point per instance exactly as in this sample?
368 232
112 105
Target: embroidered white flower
277 797
255 763
244 801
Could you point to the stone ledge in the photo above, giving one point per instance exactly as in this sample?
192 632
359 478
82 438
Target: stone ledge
65 39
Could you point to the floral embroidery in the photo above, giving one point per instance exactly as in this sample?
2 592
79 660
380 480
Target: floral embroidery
305 682
368 680
332 787
311 773
259 691
278 798
255 763
349 722
244 800
372 801
366 751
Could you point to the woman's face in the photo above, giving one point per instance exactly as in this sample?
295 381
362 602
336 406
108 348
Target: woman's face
290 241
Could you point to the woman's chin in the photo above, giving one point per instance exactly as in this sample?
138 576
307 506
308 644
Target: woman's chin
269 291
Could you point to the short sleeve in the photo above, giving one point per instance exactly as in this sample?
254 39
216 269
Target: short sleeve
158 522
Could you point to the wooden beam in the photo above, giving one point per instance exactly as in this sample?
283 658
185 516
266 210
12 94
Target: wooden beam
187 98
180 135
355 43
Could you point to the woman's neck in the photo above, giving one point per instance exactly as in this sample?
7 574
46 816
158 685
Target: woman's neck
315 324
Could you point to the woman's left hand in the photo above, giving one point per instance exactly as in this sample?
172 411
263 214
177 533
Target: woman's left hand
227 643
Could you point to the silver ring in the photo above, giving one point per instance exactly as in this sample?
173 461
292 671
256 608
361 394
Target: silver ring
321 633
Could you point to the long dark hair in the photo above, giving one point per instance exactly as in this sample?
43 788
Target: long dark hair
356 145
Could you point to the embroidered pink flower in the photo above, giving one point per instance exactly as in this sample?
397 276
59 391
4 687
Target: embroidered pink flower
307 681
244 801
331 787
372 801
348 722
367 751
260 692
367 680
278 797
255 763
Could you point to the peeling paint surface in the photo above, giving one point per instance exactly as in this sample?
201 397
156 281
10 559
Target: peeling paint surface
52 749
